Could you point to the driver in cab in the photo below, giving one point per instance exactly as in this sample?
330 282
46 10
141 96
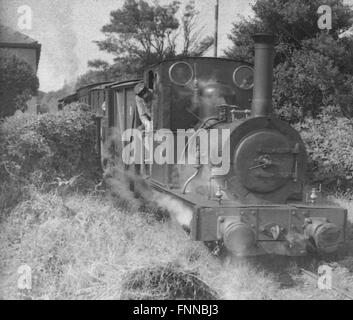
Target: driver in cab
144 97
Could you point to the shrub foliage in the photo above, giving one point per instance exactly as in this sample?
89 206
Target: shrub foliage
46 149
329 142
18 83
312 68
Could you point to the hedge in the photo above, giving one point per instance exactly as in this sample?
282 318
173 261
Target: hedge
42 150
329 142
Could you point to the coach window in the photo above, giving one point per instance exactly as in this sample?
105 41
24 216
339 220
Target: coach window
156 79
150 80
111 111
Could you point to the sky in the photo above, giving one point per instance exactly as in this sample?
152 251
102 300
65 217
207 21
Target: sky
67 28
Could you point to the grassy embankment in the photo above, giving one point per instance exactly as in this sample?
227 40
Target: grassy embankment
86 247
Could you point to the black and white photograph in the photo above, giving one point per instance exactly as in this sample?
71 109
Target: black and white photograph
189 150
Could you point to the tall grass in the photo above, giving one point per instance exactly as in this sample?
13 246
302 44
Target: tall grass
82 247
86 247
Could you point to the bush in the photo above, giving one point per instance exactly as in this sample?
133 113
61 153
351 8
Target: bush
329 142
71 137
313 69
306 84
46 150
18 82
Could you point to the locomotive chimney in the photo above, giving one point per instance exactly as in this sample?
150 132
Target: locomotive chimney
263 77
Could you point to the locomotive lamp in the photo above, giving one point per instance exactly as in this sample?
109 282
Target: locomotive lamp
219 194
313 196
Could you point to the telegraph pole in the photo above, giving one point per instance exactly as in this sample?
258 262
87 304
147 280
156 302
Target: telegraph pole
216 30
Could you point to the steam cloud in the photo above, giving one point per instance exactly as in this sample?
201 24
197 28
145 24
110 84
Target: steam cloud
52 26
64 38
181 213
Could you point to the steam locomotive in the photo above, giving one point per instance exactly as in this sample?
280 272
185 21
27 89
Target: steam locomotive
259 204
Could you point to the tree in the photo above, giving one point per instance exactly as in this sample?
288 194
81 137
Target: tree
99 65
92 76
18 83
313 70
194 44
102 71
140 34
49 100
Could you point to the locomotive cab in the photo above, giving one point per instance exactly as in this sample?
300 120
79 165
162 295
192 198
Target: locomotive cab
188 90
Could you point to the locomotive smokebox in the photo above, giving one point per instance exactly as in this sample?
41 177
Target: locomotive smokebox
263 76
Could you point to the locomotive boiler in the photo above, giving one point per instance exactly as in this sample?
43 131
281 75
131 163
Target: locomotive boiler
259 204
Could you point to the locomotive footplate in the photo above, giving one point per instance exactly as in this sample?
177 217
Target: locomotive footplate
292 230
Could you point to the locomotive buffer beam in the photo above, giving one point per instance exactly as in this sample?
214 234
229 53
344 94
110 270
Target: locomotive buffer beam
282 230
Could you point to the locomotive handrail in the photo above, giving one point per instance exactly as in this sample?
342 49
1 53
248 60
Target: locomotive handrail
198 130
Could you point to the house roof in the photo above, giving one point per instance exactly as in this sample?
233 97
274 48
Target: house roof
10 38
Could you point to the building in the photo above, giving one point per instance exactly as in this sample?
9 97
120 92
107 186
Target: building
18 44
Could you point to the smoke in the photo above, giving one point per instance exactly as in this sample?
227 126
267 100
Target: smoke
53 26
64 39
120 179
119 182
179 212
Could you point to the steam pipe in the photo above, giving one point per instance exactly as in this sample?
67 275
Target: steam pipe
197 168
263 76
195 174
